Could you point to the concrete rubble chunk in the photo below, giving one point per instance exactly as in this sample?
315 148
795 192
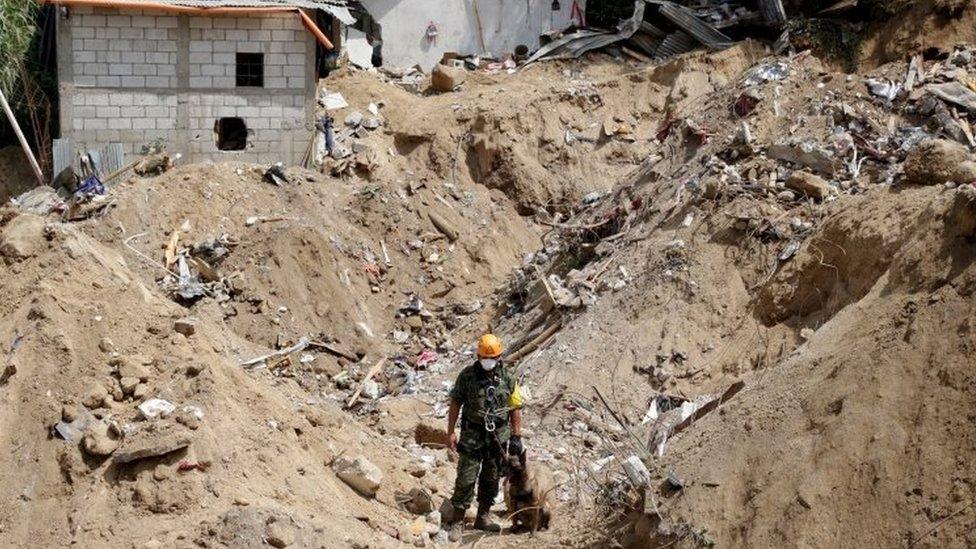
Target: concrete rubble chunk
354 119
359 473
153 442
445 79
809 184
936 161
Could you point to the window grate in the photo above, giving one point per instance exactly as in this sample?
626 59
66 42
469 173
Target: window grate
250 70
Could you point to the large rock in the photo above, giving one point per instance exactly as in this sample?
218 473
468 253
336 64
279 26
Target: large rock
936 161
359 473
23 237
445 79
809 184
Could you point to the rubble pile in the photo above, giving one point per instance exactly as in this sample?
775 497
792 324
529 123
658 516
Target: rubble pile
731 288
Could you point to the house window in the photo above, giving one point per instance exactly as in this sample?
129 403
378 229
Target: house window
230 134
250 70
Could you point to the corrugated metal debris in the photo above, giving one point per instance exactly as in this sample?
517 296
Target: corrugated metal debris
667 28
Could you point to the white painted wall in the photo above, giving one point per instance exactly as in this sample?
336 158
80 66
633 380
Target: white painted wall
506 24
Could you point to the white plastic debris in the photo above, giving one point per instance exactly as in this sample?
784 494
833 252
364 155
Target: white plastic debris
777 70
636 471
156 407
883 88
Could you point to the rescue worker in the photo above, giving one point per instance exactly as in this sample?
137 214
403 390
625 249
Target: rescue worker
489 401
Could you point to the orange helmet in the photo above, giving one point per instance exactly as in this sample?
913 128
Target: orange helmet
489 346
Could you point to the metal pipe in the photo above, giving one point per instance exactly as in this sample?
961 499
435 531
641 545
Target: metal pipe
193 10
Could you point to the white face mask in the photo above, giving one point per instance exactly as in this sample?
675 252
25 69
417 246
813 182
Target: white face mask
488 363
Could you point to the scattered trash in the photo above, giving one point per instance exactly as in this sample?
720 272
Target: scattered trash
276 174
155 408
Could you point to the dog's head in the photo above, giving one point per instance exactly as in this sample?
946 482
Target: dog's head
516 465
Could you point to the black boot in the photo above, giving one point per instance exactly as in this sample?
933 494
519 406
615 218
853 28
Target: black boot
483 521
453 521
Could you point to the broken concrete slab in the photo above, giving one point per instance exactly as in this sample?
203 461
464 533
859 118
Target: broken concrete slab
956 93
153 441
812 157
359 473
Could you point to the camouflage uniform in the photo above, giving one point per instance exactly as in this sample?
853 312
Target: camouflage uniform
479 449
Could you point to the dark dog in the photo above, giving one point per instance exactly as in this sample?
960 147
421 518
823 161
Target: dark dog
527 491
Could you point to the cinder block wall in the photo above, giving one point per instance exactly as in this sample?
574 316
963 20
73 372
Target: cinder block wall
140 77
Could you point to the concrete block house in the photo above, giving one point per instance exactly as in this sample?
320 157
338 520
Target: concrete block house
210 79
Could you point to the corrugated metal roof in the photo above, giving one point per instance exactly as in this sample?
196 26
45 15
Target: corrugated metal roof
309 4
685 19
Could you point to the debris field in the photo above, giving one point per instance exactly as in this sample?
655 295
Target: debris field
736 287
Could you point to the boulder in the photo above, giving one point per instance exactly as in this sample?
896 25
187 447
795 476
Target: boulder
445 79
809 184
23 237
937 161
358 473
101 439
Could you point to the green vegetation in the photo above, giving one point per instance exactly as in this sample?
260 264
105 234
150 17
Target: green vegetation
17 29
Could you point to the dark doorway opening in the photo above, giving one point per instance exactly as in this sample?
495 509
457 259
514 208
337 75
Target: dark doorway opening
231 134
